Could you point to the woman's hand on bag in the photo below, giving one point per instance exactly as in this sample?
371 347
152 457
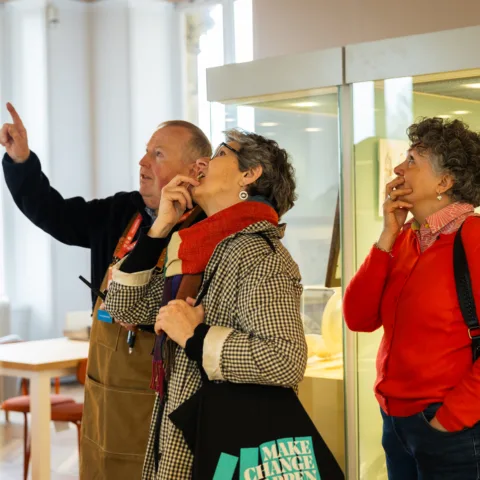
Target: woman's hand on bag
437 425
179 319
175 199
395 212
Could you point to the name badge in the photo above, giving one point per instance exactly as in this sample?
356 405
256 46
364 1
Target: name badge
104 316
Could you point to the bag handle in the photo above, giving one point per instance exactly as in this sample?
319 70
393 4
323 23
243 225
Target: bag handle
465 296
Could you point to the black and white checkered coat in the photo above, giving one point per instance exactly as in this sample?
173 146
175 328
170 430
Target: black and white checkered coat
253 306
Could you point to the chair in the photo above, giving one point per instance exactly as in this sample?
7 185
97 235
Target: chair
21 404
72 412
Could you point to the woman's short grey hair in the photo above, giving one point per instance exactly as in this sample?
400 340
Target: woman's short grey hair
453 149
277 182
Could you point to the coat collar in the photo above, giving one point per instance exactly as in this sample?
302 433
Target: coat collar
439 221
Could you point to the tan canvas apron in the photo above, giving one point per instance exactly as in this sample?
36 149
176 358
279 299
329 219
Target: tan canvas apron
118 400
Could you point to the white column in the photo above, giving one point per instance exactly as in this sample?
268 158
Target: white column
28 250
70 142
2 109
111 96
155 71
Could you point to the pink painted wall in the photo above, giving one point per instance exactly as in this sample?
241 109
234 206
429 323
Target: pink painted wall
292 26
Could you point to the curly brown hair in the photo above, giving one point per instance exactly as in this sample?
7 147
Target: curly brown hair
277 182
454 149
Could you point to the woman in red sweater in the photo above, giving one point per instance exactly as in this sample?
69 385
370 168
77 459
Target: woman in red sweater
427 385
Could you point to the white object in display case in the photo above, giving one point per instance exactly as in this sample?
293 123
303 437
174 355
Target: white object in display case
332 323
313 302
325 351
323 323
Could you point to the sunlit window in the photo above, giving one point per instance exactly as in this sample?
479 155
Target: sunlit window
246 118
210 54
208 46
243 31
364 111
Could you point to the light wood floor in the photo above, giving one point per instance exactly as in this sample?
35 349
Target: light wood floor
64 462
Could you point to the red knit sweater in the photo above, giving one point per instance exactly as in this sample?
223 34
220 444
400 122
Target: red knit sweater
425 354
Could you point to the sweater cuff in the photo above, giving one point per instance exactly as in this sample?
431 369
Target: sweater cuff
145 255
21 178
448 420
17 173
134 279
212 351
194 345
377 254
8 159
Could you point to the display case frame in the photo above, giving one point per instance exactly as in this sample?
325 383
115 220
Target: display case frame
278 81
440 53
425 54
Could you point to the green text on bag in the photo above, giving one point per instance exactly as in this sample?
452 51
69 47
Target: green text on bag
283 459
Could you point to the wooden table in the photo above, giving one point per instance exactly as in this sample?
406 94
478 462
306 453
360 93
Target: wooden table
40 361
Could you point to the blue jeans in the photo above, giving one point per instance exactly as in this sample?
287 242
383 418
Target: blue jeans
417 451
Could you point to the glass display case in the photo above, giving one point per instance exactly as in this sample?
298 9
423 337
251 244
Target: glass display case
389 96
305 122
342 114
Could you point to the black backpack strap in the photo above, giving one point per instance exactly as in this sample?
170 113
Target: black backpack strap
465 296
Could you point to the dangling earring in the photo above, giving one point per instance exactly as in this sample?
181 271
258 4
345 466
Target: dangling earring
243 195
439 196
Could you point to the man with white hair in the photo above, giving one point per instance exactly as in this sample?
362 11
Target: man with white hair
118 399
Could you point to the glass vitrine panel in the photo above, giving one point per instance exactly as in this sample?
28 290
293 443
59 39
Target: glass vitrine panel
306 125
382 112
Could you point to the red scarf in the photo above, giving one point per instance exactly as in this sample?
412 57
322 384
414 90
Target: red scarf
188 253
190 250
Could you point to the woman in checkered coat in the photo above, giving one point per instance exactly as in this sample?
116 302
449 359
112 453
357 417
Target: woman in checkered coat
245 326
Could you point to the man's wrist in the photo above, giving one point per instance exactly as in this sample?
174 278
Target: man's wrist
20 160
23 158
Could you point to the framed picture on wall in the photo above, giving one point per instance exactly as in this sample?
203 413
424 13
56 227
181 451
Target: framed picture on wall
390 154
333 276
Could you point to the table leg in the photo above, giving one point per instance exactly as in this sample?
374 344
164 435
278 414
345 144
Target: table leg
40 422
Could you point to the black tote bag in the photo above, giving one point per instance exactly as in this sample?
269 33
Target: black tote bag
253 432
